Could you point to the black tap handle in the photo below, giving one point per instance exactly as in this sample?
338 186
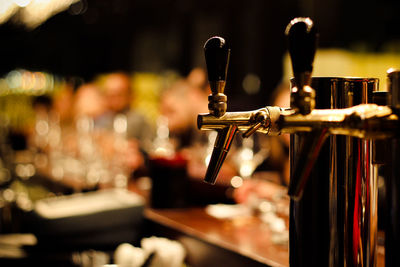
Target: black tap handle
302 42
217 58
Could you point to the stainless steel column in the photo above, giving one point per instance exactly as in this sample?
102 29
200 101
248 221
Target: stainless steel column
335 221
392 181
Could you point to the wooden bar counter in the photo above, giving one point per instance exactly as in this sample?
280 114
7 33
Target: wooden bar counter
222 242
209 241
218 242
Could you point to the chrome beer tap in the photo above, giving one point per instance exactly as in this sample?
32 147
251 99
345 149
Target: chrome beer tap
333 218
363 121
217 59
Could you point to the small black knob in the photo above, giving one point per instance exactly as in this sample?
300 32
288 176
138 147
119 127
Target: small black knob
302 42
217 58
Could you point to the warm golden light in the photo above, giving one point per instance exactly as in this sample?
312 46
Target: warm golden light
32 13
26 82
7 9
22 3
236 181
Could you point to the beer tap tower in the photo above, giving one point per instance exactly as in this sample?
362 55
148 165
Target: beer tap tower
332 122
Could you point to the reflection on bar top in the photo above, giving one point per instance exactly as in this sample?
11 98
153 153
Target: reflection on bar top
87 203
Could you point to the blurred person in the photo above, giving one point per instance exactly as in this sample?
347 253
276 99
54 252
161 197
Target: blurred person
85 104
198 78
63 111
89 102
63 100
118 95
125 123
180 104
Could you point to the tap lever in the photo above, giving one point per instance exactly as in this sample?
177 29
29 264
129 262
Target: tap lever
302 42
261 119
252 130
217 59
221 148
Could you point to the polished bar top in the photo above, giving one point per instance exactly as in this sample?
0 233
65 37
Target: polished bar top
246 236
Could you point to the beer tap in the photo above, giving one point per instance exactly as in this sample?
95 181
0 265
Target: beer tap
333 217
302 43
362 121
217 59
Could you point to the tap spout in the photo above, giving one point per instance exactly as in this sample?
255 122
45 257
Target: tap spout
221 148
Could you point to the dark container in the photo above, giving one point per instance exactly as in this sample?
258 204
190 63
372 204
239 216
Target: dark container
169 182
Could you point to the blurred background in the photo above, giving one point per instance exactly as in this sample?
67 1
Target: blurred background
103 94
85 38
